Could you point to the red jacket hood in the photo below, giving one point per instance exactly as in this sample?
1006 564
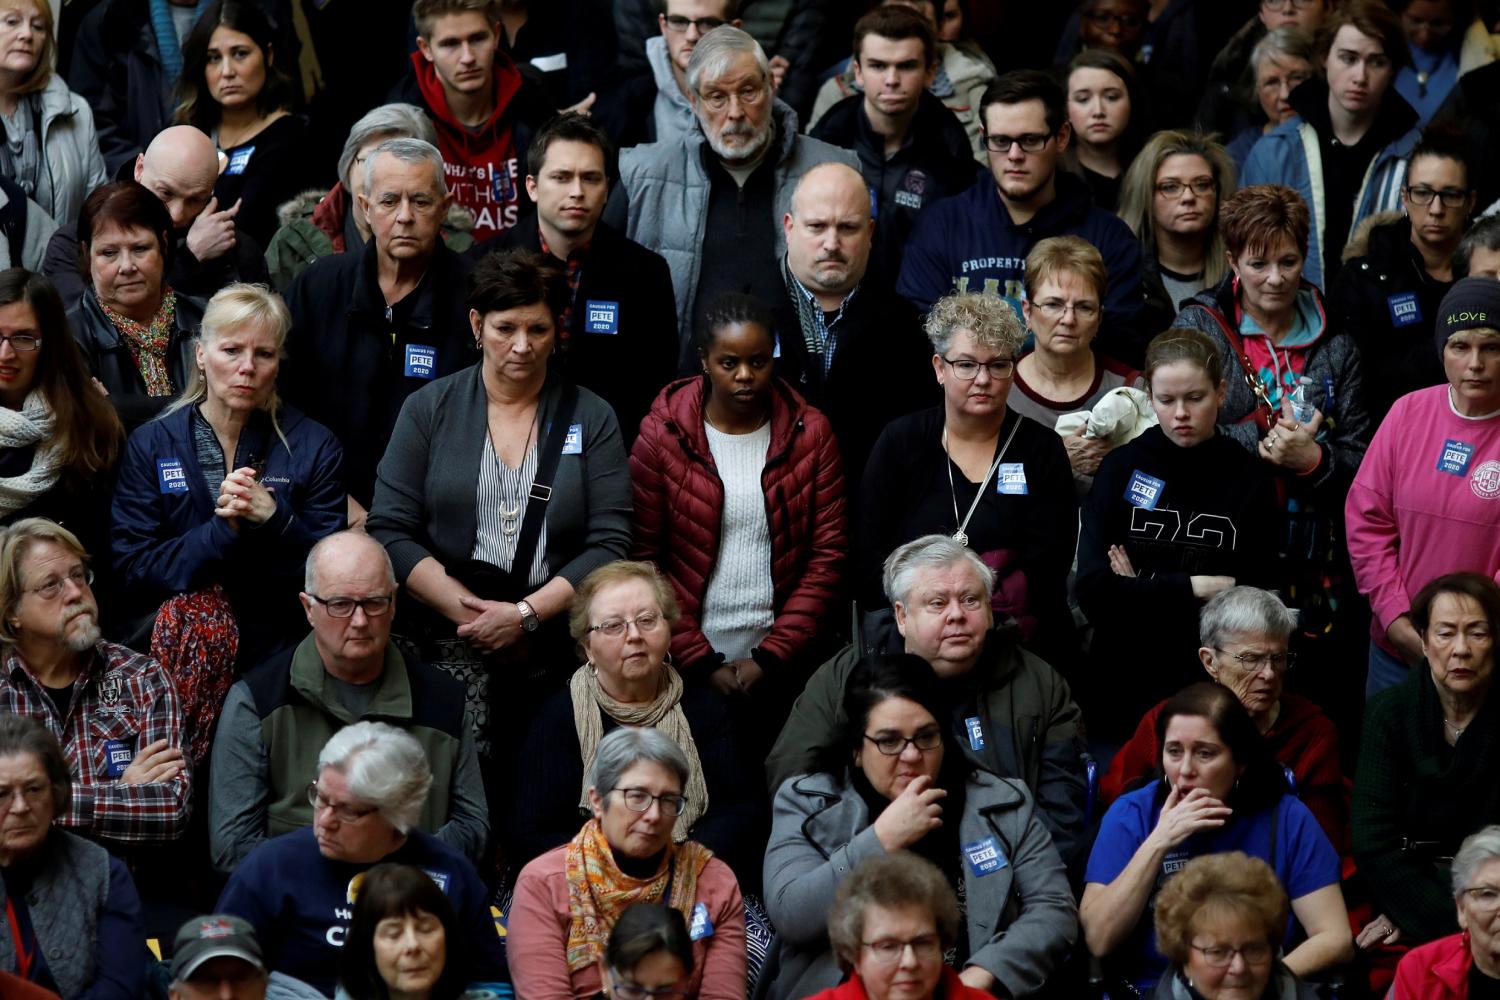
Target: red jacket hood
507 85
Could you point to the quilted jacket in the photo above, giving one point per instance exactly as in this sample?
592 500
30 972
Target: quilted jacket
679 504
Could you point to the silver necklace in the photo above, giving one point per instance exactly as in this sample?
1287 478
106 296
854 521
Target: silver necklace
961 535
510 517
1457 731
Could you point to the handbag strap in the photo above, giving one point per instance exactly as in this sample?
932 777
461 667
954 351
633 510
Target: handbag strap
1265 413
541 484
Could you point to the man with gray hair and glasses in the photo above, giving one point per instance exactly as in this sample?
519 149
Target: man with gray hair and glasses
278 716
298 890
371 328
1245 634
711 201
1012 714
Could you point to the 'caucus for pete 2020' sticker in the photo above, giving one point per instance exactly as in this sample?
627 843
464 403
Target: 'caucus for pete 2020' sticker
1144 491
1455 458
984 856
603 317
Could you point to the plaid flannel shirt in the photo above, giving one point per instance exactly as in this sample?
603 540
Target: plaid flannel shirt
122 701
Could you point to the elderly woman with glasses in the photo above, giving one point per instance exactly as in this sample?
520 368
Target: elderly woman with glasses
1465 964
1245 633
622 619
895 783
568 901
73 913
996 481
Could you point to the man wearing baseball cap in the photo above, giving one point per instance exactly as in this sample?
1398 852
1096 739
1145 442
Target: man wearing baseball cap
217 958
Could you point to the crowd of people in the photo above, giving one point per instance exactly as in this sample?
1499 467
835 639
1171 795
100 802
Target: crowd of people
749 499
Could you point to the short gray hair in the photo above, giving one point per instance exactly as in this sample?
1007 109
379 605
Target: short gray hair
1244 611
391 121
629 745
1477 849
407 151
890 881
720 49
930 552
384 766
310 568
992 320
1288 41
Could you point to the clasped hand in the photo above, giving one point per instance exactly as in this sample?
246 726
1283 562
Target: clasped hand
243 497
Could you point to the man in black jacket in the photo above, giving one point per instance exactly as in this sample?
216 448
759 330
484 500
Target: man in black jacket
853 347
371 328
619 335
912 150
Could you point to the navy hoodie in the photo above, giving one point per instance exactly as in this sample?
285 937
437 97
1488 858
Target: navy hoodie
968 243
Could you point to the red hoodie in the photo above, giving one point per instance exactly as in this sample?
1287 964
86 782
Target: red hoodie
482 165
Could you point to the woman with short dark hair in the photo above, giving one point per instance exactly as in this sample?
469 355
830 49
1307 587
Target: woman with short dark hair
650 954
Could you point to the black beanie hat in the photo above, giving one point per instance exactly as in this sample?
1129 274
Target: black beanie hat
1470 303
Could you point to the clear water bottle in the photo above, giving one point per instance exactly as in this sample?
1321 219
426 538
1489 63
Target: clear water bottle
1302 400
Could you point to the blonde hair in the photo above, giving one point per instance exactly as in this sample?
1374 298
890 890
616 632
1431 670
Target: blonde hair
1220 887
16 542
41 73
992 321
619 571
1138 192
1064 255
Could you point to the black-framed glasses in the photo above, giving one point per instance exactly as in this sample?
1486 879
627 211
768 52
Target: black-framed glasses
1000 369
640 799
78 576
645 622
1423 195
341 812
927 947
343 607
623 989
22 343
1104 19
1254 663
892 745
677 23
1200 186
1031 142
1220 955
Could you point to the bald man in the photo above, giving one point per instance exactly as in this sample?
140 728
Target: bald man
279 715
851 346
179 167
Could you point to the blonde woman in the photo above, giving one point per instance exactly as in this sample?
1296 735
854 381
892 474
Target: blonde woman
218 503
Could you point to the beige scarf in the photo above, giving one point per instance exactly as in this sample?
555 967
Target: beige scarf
664 713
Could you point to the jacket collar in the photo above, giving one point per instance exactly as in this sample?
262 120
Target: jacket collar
1394 119
680 407
368 298
311 680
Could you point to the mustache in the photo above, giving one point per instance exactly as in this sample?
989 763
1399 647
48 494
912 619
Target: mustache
832 257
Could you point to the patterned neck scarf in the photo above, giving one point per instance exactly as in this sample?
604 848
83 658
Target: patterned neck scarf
598 891
148 343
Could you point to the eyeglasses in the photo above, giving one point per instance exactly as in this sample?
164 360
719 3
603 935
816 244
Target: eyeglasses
748 97
78 576
639 800
1254 663
679 24
343 607
22 343
1000 369
894 746
1200 186
1281 5
342 813
1103 19
1423 195
1220 955
1055 308
1273 84
33 795
623 989
645 623
1484 898
926 947
1031 142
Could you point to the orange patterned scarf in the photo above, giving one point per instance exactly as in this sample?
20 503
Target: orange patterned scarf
598 891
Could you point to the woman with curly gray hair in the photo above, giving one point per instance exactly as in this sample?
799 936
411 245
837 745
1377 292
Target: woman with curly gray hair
997 482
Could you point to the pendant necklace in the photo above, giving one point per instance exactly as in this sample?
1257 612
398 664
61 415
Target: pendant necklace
510 517
961 536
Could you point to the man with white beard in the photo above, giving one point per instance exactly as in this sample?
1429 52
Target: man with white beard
114 711
711 201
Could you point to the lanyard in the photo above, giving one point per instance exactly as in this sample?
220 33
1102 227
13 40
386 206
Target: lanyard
23 958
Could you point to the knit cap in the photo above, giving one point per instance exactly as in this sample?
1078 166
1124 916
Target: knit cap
1470 303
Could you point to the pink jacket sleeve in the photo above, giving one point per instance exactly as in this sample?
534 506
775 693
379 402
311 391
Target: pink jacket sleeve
722 956
1373 532
536 940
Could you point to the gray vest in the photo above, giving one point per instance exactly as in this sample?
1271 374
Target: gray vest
65 902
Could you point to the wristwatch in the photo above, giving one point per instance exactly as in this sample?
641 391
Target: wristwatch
529 620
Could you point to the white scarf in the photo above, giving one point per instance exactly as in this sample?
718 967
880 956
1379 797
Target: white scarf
31 425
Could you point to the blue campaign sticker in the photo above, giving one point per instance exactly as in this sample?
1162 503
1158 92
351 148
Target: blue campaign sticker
170 477
421 361
984 856
602 317
117 757
700 926
573 443
975 729
439 878
1012 479
1144 491
1455 458
1404 308
239 160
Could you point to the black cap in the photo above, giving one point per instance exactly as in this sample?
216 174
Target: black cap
216 936
1471 303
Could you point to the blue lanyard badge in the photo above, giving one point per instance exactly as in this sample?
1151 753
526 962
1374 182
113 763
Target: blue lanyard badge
573 443
1011 481
421 361
1144 491
700 926
603 317
1405 310
1454 459
117 757
170 477
984 856
975 729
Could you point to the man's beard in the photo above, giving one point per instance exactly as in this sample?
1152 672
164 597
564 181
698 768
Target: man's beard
741 154
80 628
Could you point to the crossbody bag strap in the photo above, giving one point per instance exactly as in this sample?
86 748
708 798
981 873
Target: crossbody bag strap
1264 411
541 485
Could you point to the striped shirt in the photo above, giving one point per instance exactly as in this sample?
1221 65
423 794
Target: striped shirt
503 490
